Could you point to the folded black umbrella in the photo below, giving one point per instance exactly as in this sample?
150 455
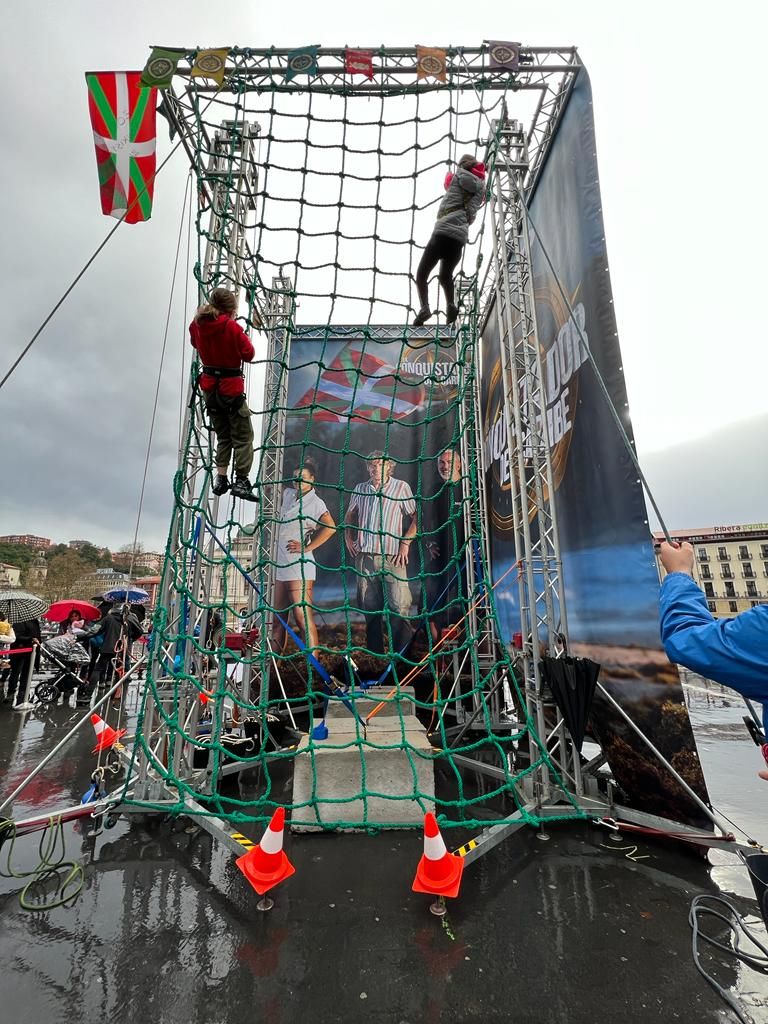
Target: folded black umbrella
757 865
572 682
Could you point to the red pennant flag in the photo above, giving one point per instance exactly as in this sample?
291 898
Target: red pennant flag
358 62
123 120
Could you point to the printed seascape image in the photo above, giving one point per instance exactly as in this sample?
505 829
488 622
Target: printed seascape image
611 584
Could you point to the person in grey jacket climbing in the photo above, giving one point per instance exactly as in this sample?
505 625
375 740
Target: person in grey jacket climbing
465 191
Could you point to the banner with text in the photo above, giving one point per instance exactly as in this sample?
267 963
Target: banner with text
610 580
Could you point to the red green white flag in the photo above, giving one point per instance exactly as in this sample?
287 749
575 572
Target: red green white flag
359 386
123 120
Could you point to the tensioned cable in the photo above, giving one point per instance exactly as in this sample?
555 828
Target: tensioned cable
184 335
600 379
159 374
124 634
91 259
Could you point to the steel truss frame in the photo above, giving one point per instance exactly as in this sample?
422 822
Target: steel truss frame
507 298
226 190
505 293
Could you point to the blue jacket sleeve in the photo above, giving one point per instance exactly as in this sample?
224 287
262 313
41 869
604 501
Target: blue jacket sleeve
731 651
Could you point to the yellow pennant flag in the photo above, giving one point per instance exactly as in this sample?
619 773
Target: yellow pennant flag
430 60
211 64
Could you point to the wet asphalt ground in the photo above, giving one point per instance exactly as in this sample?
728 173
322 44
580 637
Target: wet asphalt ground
572 930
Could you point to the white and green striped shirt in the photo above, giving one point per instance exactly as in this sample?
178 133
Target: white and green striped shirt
380 515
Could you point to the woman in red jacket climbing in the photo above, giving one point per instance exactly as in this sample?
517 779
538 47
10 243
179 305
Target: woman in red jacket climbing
223 347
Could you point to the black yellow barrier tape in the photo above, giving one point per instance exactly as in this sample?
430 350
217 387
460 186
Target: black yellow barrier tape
467 848
243 841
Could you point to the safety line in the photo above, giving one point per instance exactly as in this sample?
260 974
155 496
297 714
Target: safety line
90 260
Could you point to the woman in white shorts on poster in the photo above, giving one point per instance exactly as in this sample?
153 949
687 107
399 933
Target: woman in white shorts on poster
305 524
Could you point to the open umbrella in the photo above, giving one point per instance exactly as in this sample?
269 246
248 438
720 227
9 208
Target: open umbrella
59 611
572 682
19 606
130 595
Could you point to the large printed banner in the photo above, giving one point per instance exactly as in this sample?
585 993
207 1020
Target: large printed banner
353 392
610 577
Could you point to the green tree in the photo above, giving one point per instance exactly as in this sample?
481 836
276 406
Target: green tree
17 554
64 569
91 554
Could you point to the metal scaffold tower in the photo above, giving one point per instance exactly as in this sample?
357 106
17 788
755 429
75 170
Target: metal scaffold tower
540 593
226 190
334 237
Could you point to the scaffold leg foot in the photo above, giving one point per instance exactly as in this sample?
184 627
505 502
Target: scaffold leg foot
438 908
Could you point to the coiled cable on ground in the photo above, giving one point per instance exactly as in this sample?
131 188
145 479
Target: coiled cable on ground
735 923
52 852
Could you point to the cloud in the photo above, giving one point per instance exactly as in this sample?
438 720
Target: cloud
717 480
76 414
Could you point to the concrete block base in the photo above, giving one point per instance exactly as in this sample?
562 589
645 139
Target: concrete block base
383 777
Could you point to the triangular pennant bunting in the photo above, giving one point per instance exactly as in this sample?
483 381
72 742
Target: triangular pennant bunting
430 63
504 56
302 62
358 62
161 67
211 64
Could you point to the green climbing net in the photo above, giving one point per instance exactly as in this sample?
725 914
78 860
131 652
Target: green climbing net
356 595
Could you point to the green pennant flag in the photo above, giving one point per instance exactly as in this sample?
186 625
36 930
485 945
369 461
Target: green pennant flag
302 62
161 67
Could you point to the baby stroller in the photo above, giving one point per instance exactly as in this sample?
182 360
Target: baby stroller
67 656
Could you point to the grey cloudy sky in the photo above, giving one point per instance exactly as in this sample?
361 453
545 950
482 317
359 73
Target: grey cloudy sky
678 94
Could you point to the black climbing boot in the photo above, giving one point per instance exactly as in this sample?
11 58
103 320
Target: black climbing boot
220 485
451 313
242 488
422 316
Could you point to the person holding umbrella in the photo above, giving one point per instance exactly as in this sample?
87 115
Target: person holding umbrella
27 635
72 617
118 622
7 636
73 624
22 610
126 595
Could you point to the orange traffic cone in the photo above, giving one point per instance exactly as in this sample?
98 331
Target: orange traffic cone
439 872
266 865
106 736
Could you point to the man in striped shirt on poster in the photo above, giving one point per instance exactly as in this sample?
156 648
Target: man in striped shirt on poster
376 534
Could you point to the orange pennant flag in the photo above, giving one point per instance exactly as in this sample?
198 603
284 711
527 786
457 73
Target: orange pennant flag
430 61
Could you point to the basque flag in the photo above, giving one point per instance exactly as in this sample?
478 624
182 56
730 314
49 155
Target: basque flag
123 121
359 386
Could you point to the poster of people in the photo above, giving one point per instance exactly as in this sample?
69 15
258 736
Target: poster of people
373 444
610 579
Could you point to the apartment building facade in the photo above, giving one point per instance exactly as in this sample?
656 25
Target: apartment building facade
730 565
29 539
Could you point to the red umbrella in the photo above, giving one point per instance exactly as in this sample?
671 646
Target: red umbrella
59 611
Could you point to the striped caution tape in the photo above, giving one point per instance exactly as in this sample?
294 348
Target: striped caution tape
467 848
241 840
